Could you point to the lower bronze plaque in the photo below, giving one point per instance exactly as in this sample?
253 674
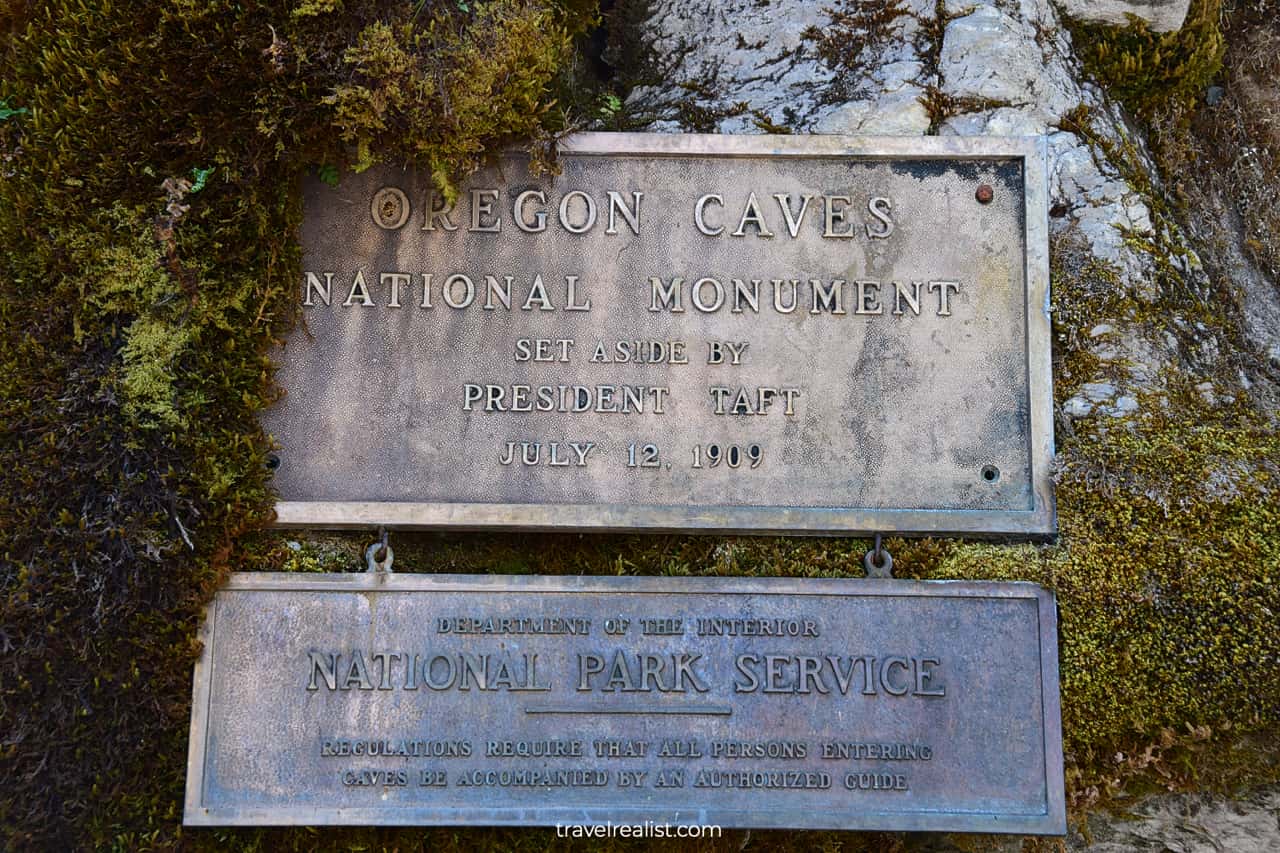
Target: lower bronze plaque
447 699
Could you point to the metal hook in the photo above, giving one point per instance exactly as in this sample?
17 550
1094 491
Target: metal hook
381 546
878 562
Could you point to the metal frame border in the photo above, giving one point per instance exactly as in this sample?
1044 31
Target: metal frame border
1037 523
1052 822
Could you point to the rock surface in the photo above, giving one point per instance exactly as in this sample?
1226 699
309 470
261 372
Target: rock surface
1161 15
1167 823
920 67
746 66
1189 823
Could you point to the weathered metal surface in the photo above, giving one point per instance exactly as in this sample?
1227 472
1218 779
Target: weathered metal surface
435 699
851 337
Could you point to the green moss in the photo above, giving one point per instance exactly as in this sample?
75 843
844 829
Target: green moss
446 96
843 41
852 28
940 106
766 125
1148 70
1169 551
1238 138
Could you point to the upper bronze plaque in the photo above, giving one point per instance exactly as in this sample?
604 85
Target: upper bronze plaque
758 334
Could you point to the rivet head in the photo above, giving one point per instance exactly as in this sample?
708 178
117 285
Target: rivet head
985 194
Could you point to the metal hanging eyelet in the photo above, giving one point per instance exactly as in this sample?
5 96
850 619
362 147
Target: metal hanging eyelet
878 562
383 546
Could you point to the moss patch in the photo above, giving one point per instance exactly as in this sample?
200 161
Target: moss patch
1149 70
1238 135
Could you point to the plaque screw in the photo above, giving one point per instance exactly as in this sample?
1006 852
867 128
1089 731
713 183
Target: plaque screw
985 194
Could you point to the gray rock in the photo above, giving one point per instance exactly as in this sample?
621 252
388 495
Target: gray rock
988 67
1002 121
734 52
902 115
1022 76
1125 405
1099 391
1189 823
1161 15
740 61
1168 823
1078 407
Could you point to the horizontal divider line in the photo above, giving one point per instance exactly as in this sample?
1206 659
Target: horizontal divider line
709 710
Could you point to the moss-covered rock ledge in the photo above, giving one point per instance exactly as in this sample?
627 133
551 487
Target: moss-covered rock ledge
149 157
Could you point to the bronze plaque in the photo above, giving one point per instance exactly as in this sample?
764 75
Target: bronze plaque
453 699
758 334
